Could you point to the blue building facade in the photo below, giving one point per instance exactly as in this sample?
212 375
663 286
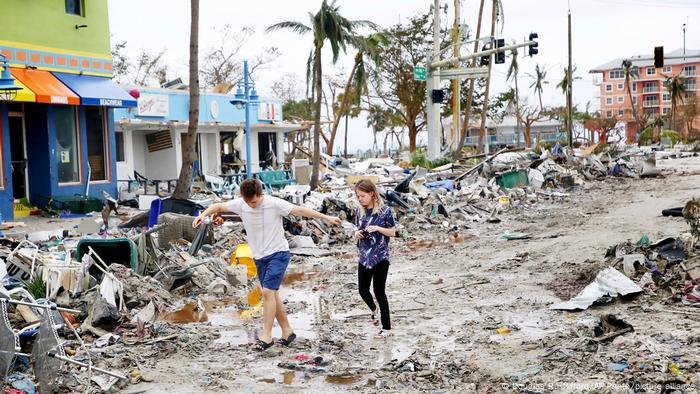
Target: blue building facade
151 135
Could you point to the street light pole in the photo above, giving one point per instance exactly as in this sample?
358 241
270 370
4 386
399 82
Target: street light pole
246 89
569 92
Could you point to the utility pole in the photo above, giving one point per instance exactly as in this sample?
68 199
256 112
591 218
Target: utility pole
482 131
470 93
684 39
456 84
569 92
433 82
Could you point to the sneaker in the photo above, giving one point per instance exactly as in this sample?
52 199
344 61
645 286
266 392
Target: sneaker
383 334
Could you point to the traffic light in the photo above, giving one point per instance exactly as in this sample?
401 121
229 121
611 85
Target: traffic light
500 56
484 61
532 49
438 96
658 57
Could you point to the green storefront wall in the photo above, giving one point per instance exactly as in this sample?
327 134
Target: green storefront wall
45 23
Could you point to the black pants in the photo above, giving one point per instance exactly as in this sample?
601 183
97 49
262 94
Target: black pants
379 273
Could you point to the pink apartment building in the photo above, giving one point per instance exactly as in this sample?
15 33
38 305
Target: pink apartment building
648 91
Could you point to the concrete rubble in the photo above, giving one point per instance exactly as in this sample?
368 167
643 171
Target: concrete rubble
144 295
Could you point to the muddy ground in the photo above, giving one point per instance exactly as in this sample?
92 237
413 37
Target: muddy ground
448 299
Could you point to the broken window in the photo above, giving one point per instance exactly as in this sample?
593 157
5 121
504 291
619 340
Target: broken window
96 143
67 152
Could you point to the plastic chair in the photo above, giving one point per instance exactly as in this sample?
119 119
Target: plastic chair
244 255
156 207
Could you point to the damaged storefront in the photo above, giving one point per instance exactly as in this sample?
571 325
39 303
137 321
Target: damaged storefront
150 138
57 131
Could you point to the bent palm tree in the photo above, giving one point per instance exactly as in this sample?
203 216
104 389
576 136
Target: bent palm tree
326 25
675 87
539 76
631 73
368 47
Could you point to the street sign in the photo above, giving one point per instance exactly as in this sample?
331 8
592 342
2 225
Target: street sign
419 72
464 73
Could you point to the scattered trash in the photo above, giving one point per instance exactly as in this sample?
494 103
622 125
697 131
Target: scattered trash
619 366
609 282
610 327
515 236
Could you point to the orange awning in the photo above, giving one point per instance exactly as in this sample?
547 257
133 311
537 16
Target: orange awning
47 88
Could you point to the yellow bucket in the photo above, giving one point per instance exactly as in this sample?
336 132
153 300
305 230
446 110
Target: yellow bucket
243 255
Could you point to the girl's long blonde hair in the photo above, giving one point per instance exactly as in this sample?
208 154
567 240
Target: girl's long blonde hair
367 186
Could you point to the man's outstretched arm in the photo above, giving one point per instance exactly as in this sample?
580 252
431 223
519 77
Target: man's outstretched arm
310 213
212 209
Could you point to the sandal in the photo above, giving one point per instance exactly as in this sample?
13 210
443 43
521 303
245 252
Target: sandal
373 317
261 345
288 341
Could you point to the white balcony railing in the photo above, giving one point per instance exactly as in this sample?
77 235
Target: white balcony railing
651 103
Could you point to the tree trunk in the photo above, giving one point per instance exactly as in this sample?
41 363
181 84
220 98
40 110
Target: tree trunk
184 181
528 135
637 126
412 134
386 138
483 133
468 107
345 147
317 121
341 109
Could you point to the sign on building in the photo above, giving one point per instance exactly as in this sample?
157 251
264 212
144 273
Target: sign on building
153 105
270 111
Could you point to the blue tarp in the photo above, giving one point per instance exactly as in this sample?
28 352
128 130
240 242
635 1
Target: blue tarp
96 90
446 184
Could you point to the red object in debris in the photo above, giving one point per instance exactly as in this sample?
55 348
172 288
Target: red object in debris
135 93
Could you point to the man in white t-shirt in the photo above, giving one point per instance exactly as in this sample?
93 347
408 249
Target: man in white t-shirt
262 218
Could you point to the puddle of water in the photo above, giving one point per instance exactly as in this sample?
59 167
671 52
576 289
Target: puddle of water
452 239
231 320
190 313
303 320
288 377
342 379
301 275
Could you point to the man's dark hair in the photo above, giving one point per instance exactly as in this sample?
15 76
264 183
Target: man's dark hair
251 188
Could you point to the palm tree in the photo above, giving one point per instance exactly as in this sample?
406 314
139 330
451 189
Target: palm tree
184 181
564 85
539 76
631 73
513 70
378 120
368 47
676 87
326 24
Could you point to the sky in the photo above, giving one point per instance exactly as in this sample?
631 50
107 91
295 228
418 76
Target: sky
602 30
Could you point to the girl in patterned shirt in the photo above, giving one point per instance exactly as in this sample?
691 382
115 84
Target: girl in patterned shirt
375 225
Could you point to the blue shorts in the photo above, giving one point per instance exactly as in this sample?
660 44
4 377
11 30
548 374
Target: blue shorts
271 269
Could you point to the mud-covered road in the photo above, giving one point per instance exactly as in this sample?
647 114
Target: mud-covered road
469 315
